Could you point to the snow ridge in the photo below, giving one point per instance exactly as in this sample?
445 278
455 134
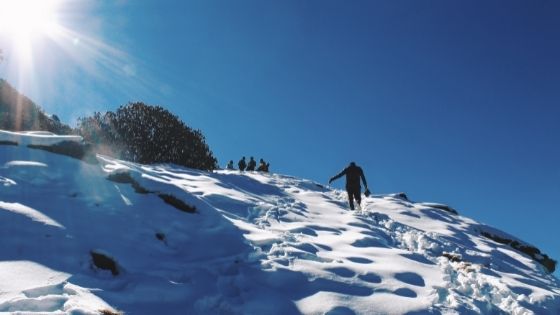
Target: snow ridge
254 244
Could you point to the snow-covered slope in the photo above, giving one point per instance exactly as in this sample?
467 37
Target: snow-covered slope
83 238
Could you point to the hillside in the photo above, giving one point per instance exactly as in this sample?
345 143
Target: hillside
18 112
82 237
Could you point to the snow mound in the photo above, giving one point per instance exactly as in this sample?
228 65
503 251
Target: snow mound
34 138
80 238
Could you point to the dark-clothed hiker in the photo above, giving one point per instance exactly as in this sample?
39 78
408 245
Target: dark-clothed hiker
242 164
252 164
263 166
353 188
230 165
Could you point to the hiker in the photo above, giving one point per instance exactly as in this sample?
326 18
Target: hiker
263 166
230 165
252 164
353 188
242 164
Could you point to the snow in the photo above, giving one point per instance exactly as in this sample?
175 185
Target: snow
35 137
28 212
256 244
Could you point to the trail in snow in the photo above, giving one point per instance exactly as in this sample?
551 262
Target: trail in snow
257 244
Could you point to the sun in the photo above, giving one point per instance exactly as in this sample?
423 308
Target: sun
23 20
43 42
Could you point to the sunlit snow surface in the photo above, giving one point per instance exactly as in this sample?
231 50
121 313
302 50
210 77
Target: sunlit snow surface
257 244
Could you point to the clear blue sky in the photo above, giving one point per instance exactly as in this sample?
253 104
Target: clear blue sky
448 101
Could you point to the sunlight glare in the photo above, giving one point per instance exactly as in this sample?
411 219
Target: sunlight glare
38 38
24 19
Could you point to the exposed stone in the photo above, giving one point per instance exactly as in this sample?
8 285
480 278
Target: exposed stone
177 203
104 262
126 178
440 206
531 251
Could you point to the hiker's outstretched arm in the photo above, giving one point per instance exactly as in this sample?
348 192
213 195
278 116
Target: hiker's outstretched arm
337 176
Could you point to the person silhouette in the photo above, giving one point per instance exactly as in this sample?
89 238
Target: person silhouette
263 166
353 188
252 164
230 165
242 164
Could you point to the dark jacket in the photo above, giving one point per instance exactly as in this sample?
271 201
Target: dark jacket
353 174
251 165
242 164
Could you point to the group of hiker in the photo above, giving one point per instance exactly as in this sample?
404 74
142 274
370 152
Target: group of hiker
243 165
353 174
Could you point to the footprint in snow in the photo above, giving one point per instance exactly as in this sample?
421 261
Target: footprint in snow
369 242
410 278
405 292
370 277
342 272
337 287
360 260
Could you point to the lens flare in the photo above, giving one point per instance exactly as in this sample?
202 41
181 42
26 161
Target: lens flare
23 19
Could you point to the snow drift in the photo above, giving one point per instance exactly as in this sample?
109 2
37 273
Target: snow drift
111 236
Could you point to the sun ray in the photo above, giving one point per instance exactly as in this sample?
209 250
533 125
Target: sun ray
58 53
